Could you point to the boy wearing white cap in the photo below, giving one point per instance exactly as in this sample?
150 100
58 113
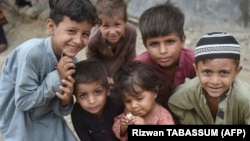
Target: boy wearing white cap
215 96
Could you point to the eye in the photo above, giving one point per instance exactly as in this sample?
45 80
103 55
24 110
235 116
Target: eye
86 35
98 92
206 72
224 73
170 42
154 44
71 31
105 26
117 24
83 95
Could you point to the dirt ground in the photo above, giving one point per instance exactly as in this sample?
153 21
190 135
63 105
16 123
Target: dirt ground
20 29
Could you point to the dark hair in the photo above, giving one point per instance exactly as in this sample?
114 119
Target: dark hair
161 20
111 8
137 74
76 10
88 71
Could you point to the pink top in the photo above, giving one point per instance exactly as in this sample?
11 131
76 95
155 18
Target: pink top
163 117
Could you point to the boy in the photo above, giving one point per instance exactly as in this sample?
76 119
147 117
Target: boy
165 46
113 40
36 83
94 111
216 96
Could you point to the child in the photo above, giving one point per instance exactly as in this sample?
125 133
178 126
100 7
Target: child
113 40
94 111
139 85
216 96
165 46
36 84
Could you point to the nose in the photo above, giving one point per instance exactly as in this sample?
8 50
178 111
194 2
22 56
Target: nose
91 99
112 30
78 39
214 79
134 104
163 49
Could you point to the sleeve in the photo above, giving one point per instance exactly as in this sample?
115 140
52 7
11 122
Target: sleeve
93 44
79 124
131 54
247 114
182 105
31 89
91 52
116 128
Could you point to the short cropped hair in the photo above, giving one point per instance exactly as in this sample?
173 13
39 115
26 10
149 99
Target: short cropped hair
88 71
112 8
76 10
161 20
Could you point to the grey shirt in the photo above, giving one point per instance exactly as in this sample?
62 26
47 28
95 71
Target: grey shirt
29 109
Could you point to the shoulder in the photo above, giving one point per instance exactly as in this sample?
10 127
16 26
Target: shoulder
187 52
144 56
190 87
241 89
131 30
165 117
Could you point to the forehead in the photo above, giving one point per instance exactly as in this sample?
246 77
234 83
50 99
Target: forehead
217 63
116 17
159 38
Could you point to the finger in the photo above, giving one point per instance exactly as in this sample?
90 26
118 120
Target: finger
69 65
67 83
70 72
71 79
66 90
59 95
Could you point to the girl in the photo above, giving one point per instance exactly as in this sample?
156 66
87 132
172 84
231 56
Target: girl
139 85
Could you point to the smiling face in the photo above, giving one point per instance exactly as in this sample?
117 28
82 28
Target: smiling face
112 28
92 97
165 50
68 36
217 75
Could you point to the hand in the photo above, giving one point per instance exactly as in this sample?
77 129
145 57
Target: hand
67 91
65 67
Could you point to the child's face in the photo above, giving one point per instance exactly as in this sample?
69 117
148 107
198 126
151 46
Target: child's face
112 28
92 97
69 36
165 50
217 75
141 104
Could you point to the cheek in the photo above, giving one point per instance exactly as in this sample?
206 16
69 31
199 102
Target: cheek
85 42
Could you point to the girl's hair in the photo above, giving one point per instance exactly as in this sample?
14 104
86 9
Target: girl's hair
76 10
161 20
137 74
88 71
112 8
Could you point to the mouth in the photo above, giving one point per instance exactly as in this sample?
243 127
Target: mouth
71 50
165 59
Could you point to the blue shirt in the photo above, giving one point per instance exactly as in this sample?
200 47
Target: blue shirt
29 108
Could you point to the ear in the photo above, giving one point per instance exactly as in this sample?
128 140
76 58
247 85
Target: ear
50 26
195 68
183 40
238 69
156 92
